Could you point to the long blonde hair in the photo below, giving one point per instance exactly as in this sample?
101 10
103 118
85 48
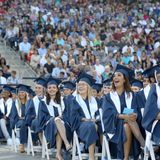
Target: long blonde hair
89 92
19 101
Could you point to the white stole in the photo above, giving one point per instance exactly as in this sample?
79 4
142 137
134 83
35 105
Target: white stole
36 104
2 105
19 111
51 109
115 98
8 104
158 95
146 91
62 104
92 104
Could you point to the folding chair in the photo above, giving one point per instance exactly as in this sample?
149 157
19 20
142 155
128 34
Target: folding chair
76 145
149 144
14 144
45 150
15 141
30 143
105 144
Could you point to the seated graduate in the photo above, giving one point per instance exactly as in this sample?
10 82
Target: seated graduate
120 115
97 90
83 113
136 85
17 115
33 104
50 117
67 90
151 116
107 86
5 109
143 94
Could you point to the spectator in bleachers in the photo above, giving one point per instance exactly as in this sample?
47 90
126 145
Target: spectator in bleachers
13 78
24 48
2 79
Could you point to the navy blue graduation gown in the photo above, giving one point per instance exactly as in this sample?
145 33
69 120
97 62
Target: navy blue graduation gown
113 125
141 99
46 123
150 113
19 122
86 130
66 115
31 117
1 114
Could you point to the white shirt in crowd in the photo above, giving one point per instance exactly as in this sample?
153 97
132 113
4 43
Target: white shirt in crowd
3 80
25 47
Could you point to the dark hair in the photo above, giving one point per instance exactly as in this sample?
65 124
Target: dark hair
127 86
2 60
57 98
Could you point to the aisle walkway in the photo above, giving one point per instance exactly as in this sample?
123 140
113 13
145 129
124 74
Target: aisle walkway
15 63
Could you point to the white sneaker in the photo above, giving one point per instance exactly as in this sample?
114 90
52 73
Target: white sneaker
9 142
17 141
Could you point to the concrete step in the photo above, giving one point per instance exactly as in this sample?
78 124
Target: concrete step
13 60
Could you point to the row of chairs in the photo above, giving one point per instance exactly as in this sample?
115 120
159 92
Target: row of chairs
76 151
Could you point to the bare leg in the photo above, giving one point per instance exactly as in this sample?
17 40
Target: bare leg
136 132
91 151
40 137
62 131
58 146
127 144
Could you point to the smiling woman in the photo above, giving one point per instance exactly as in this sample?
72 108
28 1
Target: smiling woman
83 113
120 114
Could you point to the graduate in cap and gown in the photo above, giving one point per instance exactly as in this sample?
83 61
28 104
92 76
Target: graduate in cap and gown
151 116
17 116
83 113
107 86
120 115
136 85
5 110
68 88
50 117
33 105
142 95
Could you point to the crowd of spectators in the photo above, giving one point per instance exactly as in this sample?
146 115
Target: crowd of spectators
7 75
61 37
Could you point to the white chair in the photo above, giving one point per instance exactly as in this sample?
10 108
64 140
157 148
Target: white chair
45 150
14 144
105 144
149 147
30 143
15 139
76 148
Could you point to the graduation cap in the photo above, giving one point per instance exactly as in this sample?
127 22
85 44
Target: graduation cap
6 88
53 81
41 81
150 72
86 78
68 85
127 72
107 82
31 92
14 91
137 83
147 73
23 88
97 87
